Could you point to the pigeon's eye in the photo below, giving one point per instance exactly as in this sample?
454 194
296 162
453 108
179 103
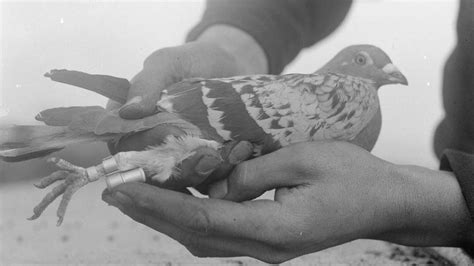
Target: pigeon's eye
360 59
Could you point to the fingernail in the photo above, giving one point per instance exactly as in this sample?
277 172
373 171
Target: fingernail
134 100
131 107
218 190
207 164
118 199
240 152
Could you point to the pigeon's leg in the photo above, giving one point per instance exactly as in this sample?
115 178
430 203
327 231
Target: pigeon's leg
162 162
74 177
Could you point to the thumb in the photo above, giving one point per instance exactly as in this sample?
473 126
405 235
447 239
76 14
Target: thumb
145 91
252 178
140 106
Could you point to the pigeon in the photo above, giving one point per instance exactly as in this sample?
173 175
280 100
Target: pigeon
262 112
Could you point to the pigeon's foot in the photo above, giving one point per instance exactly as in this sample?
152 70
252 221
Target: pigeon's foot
73 178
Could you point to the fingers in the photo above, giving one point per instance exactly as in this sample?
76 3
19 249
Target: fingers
170 65
140 86
210 216
112 105
143 105
252 178
206 227
233 153
145 91
198 243
240 152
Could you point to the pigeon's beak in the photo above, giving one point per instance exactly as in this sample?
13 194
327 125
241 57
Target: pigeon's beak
393 75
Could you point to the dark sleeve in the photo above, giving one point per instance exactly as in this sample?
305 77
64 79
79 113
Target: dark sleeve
462 165
456 131
281 27
454 137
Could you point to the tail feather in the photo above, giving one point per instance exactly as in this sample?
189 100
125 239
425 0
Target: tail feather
64 116
21 142
111 87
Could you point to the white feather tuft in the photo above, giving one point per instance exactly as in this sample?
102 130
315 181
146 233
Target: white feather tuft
161 161
165 103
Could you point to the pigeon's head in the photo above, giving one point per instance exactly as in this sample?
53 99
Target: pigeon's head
368 62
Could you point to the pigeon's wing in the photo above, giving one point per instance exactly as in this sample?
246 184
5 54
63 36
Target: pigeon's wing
285 108
299 107
99 121
217 108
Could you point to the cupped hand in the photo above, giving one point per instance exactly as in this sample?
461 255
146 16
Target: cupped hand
327 193
171 65
220 51
160 70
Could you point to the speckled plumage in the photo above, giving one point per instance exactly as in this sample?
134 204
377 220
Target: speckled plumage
276 110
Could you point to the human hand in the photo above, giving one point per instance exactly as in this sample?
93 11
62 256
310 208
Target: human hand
220 51
161 69
327 193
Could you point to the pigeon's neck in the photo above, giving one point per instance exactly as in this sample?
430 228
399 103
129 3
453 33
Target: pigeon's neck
323 70
328 71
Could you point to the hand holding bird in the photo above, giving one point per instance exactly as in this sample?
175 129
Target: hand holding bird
257 114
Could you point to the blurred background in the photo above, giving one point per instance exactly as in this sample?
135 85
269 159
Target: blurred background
114 38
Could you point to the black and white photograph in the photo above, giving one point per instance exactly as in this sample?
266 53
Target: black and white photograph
237 132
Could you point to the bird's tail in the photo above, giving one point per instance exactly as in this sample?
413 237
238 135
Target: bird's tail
22 142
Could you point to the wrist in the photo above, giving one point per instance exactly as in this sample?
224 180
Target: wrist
430 209
248 54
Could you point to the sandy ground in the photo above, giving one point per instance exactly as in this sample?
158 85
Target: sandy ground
94 233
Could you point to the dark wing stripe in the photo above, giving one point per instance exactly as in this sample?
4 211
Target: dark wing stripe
236 118
188 104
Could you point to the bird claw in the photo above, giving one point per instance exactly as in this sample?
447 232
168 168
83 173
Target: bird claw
74 177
